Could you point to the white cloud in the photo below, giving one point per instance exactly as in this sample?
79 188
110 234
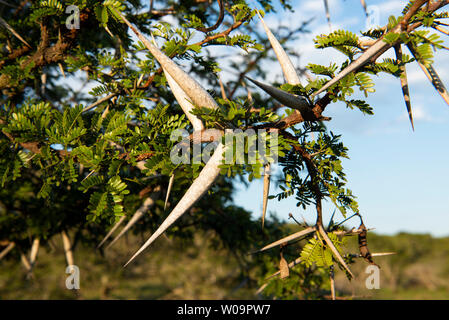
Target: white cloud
416 76
390 7
420 114
314 6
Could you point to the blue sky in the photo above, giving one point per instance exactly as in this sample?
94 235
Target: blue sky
400 177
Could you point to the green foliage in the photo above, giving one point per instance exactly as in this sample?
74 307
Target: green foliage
316 251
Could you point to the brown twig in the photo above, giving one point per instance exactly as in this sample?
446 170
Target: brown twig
223 34
45 54
411 12
219 20
15 54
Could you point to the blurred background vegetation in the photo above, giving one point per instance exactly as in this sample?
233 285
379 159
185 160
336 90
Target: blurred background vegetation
199 268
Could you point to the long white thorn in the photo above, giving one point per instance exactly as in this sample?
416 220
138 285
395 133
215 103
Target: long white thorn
26 262
14 32
182 98
379 46
136 217
61 68
67 248
291 237
201 98
115 227
287 99
198 188
288 69
7 250
184 102
170 186
334 250
147 204
191 87
34 251
266 191
382 254
262 287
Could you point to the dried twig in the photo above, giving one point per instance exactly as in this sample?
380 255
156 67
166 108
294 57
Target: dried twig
100 101
283 267
363 243
290 265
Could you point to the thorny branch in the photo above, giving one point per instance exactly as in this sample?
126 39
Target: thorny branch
46 55
219 20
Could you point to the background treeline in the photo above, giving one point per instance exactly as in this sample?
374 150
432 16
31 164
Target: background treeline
196 269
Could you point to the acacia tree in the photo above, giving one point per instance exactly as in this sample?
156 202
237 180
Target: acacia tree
89 159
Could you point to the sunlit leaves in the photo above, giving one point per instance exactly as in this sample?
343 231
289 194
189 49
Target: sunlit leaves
316 251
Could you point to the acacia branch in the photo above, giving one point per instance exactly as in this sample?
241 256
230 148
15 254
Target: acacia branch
223 34
219 20
15 54
43 56
315 179
411 12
